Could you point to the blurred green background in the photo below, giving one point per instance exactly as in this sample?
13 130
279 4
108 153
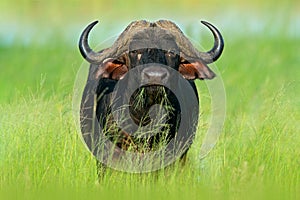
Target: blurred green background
258 149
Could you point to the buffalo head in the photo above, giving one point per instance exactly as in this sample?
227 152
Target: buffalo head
160 42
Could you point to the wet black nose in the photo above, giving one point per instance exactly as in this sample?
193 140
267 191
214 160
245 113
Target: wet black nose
155 75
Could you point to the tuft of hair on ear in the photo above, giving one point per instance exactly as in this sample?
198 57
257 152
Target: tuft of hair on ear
112 69
195 70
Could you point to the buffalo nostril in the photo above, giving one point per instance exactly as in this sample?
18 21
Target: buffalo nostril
155 75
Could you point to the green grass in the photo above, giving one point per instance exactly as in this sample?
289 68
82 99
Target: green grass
258 149
257 155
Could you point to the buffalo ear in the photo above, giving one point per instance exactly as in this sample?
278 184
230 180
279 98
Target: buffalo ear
195 70
112 69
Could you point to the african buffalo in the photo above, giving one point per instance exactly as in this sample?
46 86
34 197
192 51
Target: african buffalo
151 45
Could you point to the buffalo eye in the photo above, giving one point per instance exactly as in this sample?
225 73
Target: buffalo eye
170 54
133 52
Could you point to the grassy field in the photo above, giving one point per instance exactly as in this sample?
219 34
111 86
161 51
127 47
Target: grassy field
257 155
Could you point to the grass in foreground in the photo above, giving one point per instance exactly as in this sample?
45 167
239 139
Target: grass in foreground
257 154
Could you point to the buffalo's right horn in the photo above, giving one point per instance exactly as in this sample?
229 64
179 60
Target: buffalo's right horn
84 46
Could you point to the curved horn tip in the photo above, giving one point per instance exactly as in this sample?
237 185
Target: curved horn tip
204 22
91 25
94 23
209 25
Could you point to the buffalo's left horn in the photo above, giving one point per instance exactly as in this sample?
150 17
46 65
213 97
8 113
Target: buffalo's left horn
84 46
216 51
